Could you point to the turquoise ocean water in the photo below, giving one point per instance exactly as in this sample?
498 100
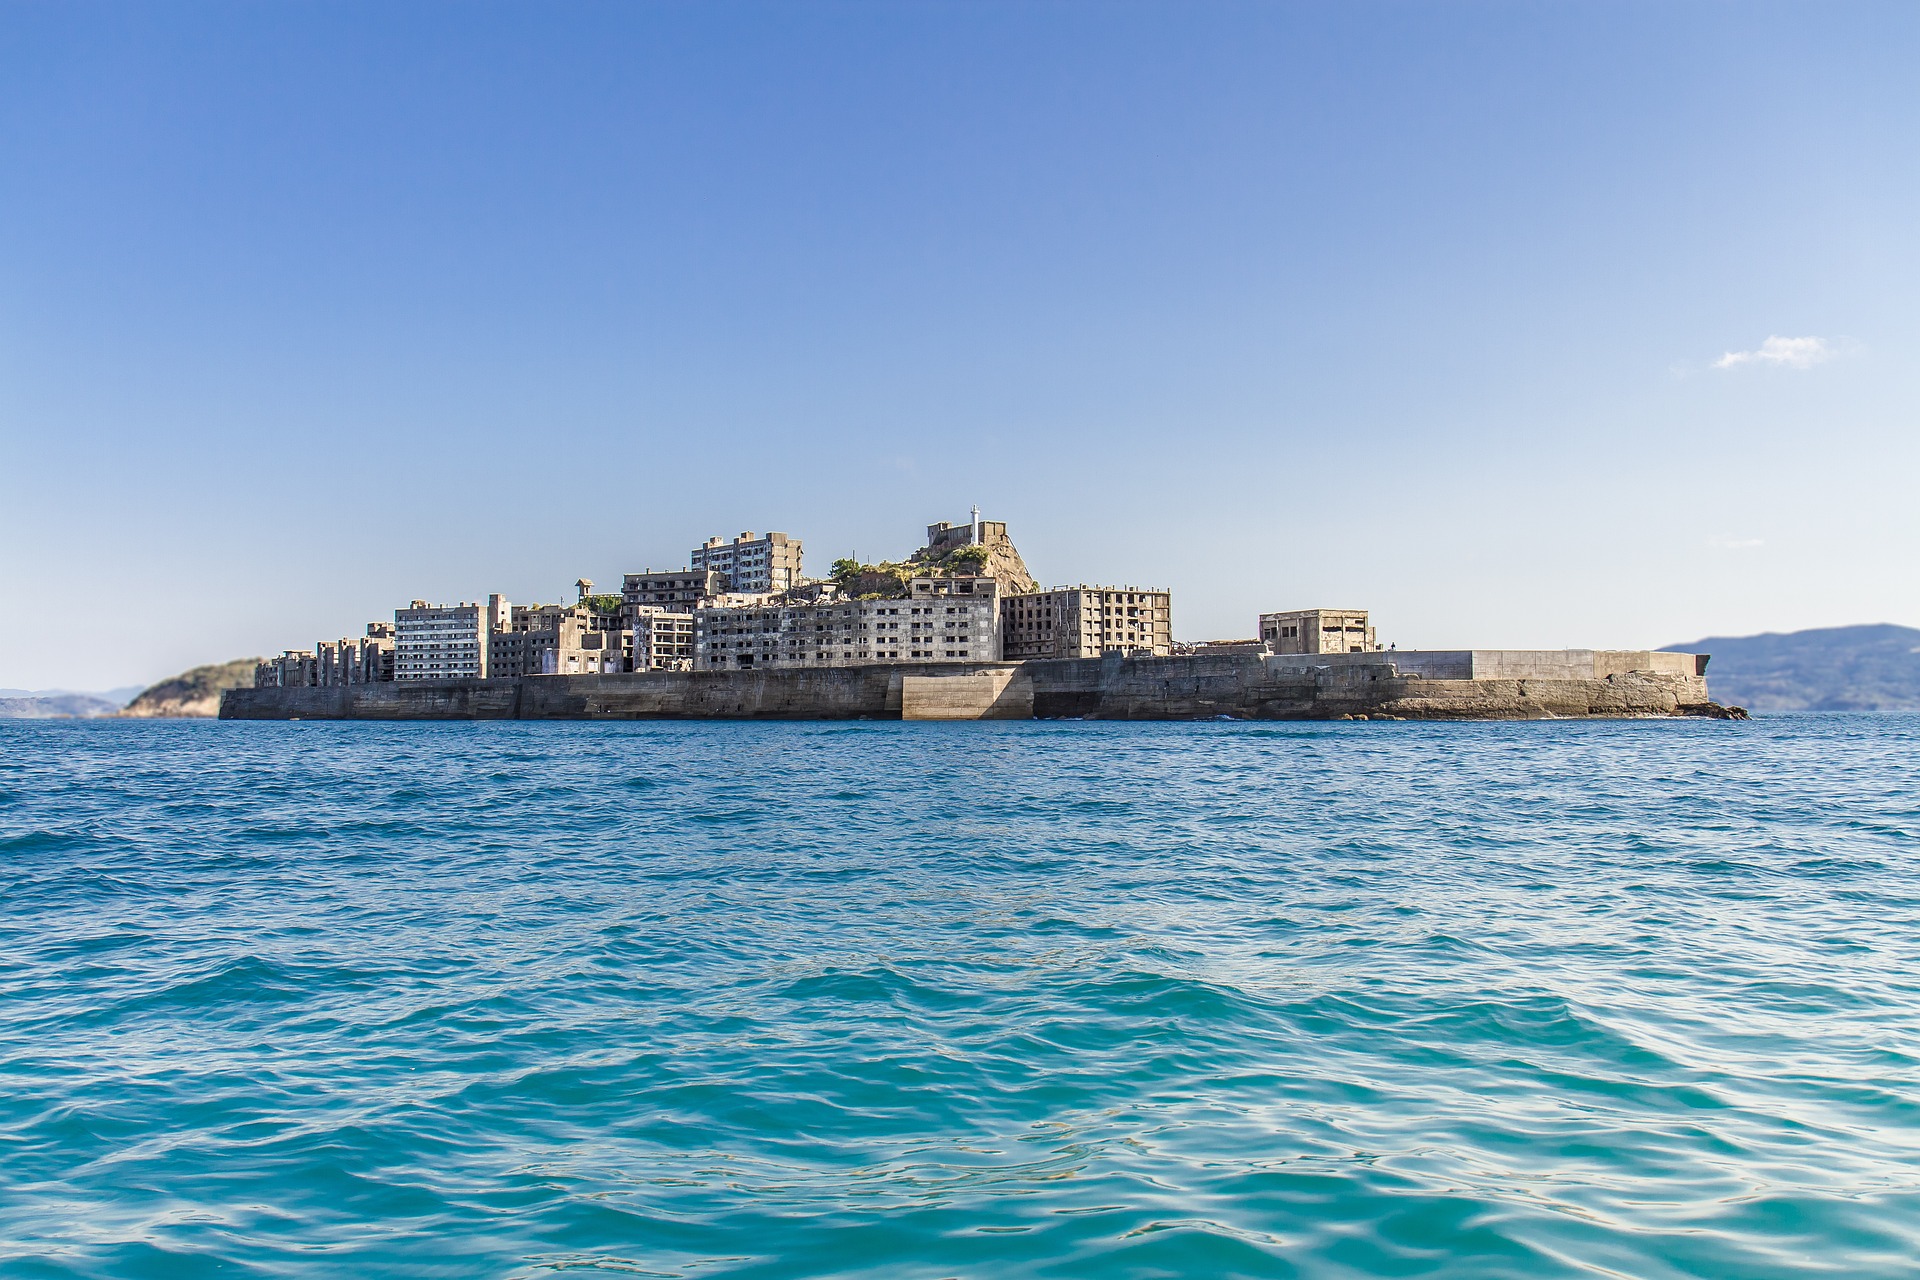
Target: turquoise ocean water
1066 1000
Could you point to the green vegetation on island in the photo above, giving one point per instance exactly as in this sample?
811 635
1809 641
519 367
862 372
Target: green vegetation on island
884 581
193 693
890 579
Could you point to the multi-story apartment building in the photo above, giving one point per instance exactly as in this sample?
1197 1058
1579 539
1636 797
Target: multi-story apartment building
1086 622
939 620
752 564
441 641
677 591
661 641
1318 631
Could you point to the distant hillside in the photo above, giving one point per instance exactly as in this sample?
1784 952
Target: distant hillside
56 706
1872 668
193 693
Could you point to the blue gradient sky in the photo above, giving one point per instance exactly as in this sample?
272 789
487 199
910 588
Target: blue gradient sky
308 310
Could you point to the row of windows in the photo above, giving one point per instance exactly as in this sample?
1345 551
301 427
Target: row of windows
746 659
746 626
801 615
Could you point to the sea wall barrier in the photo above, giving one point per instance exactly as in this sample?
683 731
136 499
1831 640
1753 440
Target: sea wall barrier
1462 685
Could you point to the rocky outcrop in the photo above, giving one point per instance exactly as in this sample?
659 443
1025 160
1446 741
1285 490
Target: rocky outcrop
194 693
951 551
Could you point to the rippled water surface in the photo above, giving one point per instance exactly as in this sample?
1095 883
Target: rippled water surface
1073 1000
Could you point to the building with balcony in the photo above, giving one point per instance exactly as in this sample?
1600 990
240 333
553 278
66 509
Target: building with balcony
443 641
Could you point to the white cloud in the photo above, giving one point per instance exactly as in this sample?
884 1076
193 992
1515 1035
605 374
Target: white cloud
1793 353
1736 544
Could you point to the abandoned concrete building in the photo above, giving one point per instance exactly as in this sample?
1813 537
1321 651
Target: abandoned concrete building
1086 622
1318 631
751 564
678 590
592 636
939 620
661 641
366 659
439 641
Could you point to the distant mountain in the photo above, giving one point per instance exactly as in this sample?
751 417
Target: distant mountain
193 693
118 697
55 706
1871 668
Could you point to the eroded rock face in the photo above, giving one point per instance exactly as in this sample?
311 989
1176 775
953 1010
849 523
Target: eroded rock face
1002 561
1005 564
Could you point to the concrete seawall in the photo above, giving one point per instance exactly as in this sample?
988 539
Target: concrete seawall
1239 685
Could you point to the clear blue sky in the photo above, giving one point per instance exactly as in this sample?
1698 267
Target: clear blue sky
307 310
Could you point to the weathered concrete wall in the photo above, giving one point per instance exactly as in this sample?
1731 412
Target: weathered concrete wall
1609 662
834 693
1003 694
1248 686
1285 688
1433 664
1519 664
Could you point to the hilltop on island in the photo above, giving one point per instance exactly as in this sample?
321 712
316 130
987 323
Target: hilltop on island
194 693
980 549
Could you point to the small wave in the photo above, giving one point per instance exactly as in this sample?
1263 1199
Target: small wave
44 842
1088 999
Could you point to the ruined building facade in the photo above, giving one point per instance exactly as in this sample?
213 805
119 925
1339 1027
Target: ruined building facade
938 620
1087 622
